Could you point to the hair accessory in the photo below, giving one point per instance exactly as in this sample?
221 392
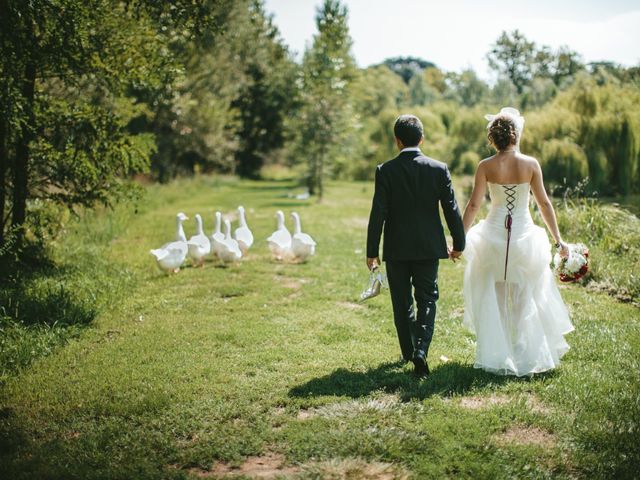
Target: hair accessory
512 113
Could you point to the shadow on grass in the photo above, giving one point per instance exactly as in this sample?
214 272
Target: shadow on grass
445 380
12 436
42 305
42 296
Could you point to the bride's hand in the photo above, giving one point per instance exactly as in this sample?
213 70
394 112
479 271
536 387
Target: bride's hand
563 249
454 254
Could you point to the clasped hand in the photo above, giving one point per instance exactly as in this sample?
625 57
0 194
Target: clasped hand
454 254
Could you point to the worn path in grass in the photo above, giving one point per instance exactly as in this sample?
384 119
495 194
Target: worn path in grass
266 369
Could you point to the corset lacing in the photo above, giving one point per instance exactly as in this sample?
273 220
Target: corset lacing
510 192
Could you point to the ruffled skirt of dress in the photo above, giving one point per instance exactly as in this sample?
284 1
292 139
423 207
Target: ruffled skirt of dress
519 324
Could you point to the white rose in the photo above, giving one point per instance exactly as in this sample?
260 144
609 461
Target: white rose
573 263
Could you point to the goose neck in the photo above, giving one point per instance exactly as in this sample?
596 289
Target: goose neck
179 230
296 222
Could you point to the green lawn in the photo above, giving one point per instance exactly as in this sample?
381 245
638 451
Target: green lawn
274 369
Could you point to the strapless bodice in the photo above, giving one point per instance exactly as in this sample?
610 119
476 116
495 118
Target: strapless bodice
514 197
511 198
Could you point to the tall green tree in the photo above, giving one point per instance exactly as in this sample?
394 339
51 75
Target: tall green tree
522 61
227 115
512 56
67 69
268 97
326 114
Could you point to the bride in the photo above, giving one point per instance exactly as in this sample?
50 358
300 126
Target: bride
512 302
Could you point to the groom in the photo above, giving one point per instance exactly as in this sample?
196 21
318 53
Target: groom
408 190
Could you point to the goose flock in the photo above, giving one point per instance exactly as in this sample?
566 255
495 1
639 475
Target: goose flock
229 248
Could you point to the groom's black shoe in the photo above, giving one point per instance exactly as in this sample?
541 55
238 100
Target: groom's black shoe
421 367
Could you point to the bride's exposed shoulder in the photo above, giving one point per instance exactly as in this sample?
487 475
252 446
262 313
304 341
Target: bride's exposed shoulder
526 158
486 160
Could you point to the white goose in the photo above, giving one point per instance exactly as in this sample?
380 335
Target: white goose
199 245
242 234
216 236
180 236
171 255
229 249
280 240
302 245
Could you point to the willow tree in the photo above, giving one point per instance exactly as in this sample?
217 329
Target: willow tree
327 72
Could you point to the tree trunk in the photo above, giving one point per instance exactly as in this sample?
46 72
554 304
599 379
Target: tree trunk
311 178
21 167
4 165
320 175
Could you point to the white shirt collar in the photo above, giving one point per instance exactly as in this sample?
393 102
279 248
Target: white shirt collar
410 149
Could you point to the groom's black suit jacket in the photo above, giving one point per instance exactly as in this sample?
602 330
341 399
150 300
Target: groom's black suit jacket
408 190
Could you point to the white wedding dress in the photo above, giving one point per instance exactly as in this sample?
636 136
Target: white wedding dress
515 310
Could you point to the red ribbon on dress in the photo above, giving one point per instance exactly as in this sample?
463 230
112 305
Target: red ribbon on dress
508 221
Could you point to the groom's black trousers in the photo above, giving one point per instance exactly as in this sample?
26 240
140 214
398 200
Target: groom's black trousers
414 330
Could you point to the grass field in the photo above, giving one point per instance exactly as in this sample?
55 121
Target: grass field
274 369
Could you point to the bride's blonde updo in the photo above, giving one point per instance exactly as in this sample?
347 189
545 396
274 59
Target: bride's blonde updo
502 132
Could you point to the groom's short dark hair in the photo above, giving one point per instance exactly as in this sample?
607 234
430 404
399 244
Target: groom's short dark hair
409 130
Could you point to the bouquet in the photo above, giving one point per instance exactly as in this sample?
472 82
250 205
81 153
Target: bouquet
376 282
575 266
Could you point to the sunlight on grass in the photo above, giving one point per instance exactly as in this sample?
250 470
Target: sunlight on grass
214 369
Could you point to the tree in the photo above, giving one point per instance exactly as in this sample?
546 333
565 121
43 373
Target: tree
269 96
419 92
521 61
566 64
67 68
376 89
327 71
467 88
407 67
436 79
227 115
512 55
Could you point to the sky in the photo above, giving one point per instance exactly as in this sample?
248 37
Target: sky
457 34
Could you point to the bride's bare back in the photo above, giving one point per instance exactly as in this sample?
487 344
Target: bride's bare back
509 167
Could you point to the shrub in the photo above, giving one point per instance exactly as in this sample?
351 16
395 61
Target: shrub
468 163
53 289
613 237
563 162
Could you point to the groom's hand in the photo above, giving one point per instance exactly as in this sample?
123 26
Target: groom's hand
373 262
454 255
